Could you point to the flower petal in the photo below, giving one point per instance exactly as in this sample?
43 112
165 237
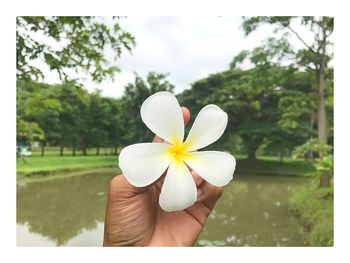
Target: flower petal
162 114
215 167
144 163
179 190
208 126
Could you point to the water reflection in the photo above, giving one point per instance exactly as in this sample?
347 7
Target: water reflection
253 212
86 238
70 212
62 209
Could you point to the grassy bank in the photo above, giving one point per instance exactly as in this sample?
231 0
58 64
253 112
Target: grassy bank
314 208
55 165
272 166
24 179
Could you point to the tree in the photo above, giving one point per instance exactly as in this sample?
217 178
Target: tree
323 163
36 104
134 95
261 90
250 104
315 56
27 132
297 106
98 121
255 100
67 115
115 128
67 44
74 130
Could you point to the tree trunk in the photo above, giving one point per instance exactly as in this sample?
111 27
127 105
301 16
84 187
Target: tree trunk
105 151
251 154
281 157
42 148
112 151
61 150
115 150
310 154
73 153
325 179
321 106
84 151
98 151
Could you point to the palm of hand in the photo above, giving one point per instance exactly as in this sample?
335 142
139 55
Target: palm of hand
135 218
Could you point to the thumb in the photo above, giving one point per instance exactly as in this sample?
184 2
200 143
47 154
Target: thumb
119 187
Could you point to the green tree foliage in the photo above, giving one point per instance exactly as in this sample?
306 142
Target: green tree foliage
36 104
324 161
115 128
257 102
233 91
68 44
67 115
74 118
28 131
313 57
99 116
134 95
314 145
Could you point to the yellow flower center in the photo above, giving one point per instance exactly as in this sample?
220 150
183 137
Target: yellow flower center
178 151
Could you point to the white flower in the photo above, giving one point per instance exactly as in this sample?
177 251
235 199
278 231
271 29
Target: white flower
144 163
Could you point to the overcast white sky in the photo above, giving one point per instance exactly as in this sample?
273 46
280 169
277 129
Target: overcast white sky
188 48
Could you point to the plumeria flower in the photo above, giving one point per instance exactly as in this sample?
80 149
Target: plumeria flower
143 163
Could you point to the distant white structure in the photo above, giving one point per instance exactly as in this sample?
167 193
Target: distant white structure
36 144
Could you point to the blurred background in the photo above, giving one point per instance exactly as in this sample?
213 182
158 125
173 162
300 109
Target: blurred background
81 82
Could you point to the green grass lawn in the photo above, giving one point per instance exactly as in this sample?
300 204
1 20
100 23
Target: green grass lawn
50 167
51 164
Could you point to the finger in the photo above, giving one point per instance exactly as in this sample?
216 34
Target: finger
186 116
209 194
207 197
157 139
196 178
159 182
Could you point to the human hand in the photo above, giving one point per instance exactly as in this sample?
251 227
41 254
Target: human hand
134 217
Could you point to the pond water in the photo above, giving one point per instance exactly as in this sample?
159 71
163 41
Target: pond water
70 211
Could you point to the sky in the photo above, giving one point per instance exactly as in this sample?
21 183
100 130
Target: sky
188 48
